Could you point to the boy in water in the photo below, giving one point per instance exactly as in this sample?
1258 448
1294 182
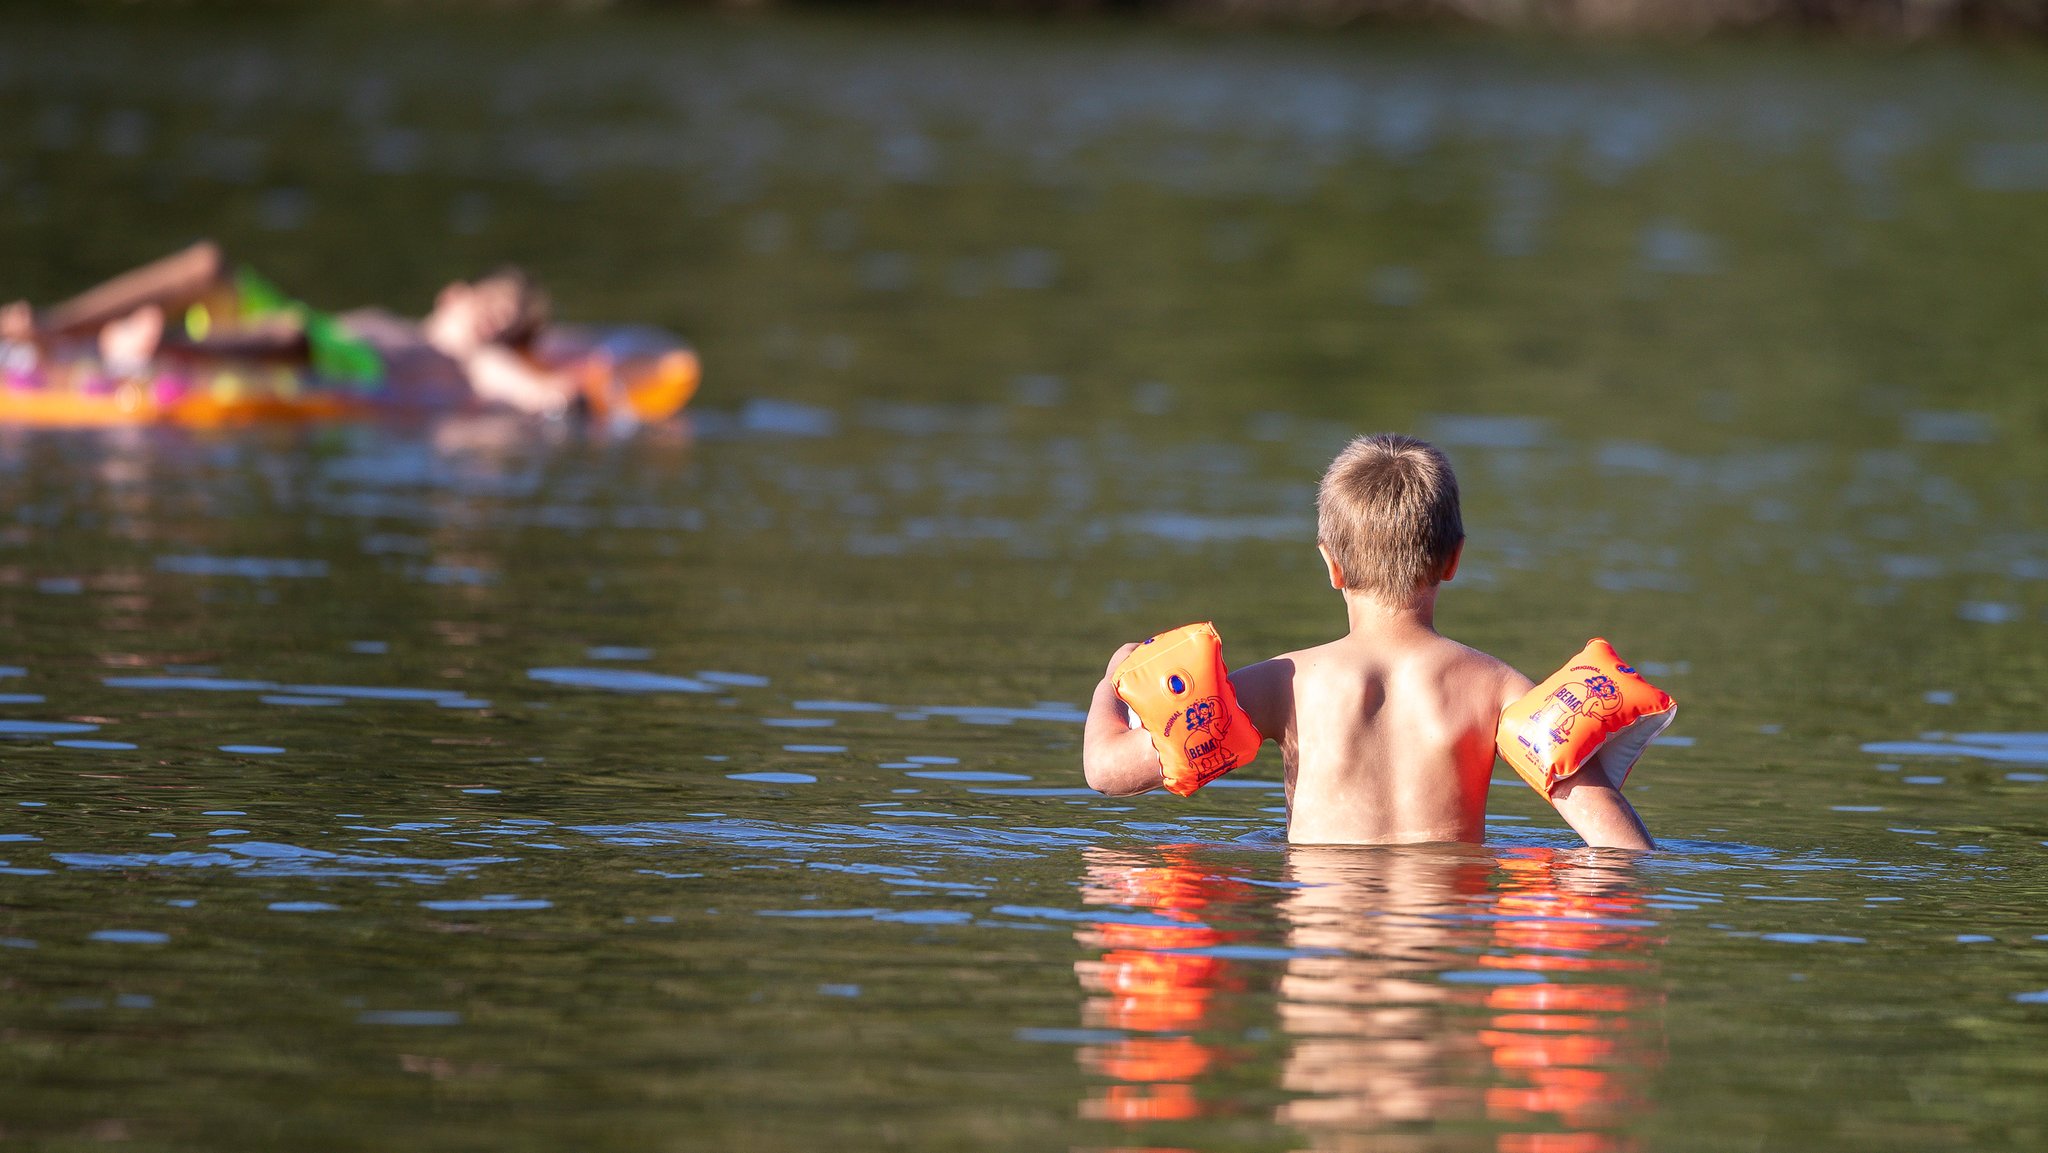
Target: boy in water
1387 732
191 305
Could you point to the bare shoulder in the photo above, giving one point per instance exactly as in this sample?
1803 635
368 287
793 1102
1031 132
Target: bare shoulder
1266 693
1486 673
1308 666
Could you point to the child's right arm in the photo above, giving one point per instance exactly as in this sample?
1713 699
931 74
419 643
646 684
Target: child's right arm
1115 758
501 376
170 283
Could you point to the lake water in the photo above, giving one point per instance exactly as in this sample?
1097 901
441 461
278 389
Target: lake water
480 785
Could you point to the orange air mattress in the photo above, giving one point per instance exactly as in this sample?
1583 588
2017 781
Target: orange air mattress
1177 687
646 385
1596 710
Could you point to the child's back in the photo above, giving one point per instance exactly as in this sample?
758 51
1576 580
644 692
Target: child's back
1386 734
1388 731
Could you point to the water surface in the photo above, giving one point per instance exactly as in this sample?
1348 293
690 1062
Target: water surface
489 786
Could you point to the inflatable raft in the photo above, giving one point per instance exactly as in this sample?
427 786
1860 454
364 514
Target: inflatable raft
627 373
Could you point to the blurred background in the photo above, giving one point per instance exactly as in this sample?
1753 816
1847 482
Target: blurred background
494 783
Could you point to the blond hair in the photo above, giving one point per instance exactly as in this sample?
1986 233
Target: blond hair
1387 511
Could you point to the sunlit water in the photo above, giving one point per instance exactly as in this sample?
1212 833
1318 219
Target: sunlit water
716 787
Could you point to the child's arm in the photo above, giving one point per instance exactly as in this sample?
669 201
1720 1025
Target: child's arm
1599 813
1594 809
1265 691
170 283
499 375
1117 759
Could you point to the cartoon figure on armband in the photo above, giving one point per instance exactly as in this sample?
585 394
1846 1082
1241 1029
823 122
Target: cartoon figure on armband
1592 699
1596 710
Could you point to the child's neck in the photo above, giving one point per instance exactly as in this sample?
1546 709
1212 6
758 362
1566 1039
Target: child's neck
1372 616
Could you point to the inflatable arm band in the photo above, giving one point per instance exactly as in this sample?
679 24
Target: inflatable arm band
1176 686
1596 710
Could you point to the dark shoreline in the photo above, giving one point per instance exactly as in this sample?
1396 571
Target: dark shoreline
1875 20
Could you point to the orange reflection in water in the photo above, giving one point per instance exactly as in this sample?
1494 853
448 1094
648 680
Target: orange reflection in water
1437 998
1144 983
1576 1053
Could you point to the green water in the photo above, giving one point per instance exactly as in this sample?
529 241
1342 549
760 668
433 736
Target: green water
732 802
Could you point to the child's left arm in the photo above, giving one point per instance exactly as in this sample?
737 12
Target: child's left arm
1591 804
1598 812
1117 759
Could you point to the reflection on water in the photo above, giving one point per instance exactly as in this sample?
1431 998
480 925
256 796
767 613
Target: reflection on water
1585 1049
1428 998
394 786
791 801
1155 981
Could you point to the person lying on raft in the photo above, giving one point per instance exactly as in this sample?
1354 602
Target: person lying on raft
1387 732
478 343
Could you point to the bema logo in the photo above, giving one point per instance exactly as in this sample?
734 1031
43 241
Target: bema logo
1208 724
1209 755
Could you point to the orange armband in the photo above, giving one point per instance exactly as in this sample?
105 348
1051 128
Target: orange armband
1596 710
1180 692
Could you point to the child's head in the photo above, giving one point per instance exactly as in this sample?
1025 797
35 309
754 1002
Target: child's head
519 307
1387 516
505 307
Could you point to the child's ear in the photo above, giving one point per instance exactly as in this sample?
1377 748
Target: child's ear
1330 563
1451 567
